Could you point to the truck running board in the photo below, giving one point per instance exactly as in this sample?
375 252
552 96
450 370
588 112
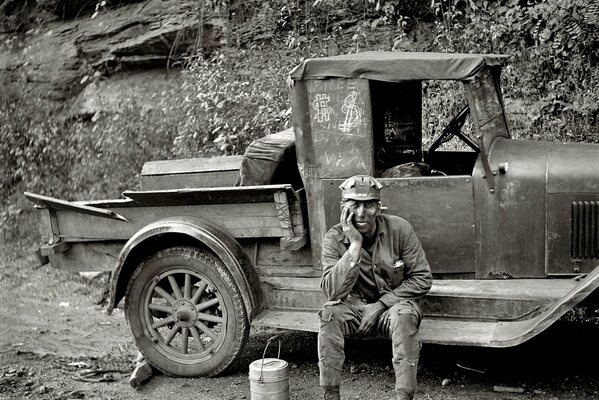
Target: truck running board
465 328
438 331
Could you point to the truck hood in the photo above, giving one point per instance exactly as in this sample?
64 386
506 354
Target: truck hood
573 168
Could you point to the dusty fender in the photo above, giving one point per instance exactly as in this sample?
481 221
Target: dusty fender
187 231
512 333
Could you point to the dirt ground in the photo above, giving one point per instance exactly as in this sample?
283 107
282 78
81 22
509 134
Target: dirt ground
57 343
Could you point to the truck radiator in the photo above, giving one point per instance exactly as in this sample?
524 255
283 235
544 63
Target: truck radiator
585 229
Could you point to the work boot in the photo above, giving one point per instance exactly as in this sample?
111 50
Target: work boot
402 395
331 393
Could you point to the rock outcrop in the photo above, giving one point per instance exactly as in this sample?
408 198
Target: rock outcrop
58 55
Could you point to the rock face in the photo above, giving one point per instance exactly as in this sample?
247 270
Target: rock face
135 36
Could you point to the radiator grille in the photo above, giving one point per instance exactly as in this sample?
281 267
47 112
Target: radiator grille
585 229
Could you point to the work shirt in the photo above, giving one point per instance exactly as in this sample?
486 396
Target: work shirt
379 276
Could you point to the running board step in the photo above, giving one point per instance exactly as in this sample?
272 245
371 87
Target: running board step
438 331
487 300
465 331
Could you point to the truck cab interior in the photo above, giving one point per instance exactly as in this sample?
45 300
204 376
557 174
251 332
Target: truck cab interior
399 148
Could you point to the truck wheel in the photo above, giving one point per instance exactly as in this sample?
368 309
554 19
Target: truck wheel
186 312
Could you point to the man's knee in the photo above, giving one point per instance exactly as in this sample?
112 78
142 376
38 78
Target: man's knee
336 317
336 312
405 315
405 323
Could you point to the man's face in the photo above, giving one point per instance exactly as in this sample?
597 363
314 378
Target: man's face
365 213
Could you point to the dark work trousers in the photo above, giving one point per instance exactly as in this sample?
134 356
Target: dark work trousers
399 323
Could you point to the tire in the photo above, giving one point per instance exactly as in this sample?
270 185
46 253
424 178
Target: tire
186 312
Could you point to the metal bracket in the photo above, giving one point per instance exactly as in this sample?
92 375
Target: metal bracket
489 175
56 248
290 217
55 238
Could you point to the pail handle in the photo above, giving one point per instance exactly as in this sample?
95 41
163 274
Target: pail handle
275 337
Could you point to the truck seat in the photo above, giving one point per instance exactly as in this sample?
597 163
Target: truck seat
406 170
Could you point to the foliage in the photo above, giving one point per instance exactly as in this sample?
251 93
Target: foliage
239 93
554 58
17 15
76 158
231 99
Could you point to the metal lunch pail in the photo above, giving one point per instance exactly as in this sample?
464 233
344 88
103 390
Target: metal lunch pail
269 377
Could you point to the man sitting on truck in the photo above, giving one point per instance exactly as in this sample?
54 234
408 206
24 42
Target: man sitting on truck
374 272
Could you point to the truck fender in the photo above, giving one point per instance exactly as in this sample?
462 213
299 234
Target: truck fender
193 231
512 333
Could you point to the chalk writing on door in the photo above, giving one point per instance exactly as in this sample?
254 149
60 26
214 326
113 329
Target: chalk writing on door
321 105
353 113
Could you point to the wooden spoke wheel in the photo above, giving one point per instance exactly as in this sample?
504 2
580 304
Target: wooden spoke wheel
186 312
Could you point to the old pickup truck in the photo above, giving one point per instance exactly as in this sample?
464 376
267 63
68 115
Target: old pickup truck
210 247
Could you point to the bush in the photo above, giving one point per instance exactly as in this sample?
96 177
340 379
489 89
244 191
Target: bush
554 65
45 153
232 98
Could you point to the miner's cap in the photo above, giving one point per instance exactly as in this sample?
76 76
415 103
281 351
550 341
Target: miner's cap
361 188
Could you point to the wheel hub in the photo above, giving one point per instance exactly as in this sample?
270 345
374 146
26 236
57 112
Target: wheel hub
185 313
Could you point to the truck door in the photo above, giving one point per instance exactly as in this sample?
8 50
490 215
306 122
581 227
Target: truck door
441 210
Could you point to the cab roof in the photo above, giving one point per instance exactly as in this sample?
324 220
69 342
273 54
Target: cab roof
397 66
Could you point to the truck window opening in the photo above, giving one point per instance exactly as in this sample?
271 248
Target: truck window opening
407 118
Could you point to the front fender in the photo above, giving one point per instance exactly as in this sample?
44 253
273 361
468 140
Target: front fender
170 232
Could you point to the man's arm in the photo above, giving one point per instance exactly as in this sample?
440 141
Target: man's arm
417 278
339 270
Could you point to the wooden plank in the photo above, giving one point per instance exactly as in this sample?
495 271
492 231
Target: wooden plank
288 271
282 206
270 254
190 165
299 284
295 320
91 256
57 204
224 195
191 180
243 220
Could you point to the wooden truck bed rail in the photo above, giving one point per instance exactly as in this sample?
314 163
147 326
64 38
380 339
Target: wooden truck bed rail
246 212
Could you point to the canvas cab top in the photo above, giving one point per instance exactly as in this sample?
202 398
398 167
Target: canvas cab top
350 109
398 66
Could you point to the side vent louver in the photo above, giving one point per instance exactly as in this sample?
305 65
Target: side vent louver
585 229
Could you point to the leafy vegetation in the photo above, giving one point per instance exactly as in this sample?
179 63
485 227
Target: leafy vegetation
236 94
231 99
554 64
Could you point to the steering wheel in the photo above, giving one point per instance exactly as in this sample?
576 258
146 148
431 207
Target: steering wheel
454 128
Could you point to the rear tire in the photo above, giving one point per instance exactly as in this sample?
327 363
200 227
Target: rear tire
186 313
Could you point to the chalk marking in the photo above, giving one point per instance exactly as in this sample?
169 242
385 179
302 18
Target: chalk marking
353 113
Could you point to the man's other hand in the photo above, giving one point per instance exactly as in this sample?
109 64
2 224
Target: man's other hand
370 316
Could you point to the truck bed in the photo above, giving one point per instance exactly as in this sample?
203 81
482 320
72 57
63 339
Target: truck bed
269 211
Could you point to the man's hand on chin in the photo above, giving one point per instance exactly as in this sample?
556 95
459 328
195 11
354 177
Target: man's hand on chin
370 316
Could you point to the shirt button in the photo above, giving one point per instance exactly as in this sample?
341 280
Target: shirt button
352 264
